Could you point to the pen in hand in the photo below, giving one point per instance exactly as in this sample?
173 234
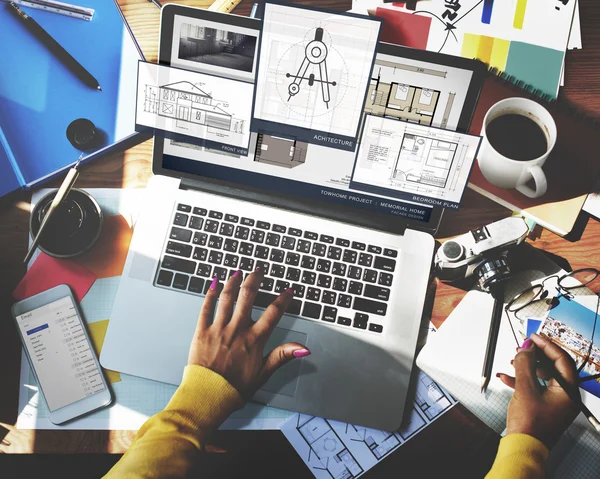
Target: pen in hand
64 56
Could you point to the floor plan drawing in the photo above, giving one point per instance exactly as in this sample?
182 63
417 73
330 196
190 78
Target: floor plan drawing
416 91
412 161
339 450
399 100
195 106
424 160
279 151
313 72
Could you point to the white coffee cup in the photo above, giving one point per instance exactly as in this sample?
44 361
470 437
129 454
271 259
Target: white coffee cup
505 172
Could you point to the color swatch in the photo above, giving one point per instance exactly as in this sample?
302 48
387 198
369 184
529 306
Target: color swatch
520 14
404 29
490 50
486 14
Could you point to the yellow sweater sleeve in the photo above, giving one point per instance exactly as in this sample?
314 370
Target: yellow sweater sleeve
168 443
519 456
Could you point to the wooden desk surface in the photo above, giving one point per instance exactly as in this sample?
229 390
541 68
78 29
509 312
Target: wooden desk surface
471 453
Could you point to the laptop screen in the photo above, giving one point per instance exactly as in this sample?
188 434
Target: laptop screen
405 84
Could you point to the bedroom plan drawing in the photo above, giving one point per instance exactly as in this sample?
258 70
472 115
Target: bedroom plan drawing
339 450
194 106
404 160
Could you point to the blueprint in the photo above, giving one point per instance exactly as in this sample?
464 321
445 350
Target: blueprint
313 72
195 106
414 162
339 450
135 399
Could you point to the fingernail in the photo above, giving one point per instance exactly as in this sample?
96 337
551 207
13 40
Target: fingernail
290 291
258 270
512 361
301 353
236 274
526 344
214 283
498 375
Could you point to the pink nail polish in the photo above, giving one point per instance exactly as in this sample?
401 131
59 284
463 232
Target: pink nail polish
214 283
258 270
236 274
301 353
290 291
526 344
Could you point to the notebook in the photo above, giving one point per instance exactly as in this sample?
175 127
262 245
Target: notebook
571 170
40 97
453 357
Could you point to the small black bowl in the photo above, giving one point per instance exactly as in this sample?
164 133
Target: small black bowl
72 229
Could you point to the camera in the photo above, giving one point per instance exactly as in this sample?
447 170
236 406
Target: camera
481 252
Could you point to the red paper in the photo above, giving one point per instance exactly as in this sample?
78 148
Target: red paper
403 28
47 272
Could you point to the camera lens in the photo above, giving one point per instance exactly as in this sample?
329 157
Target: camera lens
492 271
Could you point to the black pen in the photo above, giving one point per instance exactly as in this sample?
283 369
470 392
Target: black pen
55 47
497 292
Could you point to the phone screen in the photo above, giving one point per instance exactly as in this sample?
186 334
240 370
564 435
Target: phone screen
60 353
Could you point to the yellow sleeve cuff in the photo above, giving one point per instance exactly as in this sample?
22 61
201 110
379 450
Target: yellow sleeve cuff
204 398
519 456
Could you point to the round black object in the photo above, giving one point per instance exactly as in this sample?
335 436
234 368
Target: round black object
492 271
452 250
72 229
82 134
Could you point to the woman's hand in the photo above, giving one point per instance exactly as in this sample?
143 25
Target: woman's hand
544 413
231 344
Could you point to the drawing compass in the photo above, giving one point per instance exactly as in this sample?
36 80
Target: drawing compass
315 53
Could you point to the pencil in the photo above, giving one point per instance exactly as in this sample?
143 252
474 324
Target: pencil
61 194
572 392
51 44
497 292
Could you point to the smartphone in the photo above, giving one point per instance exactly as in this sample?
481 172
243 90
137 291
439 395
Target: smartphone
61 355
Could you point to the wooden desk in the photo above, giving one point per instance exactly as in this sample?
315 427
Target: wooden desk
458 441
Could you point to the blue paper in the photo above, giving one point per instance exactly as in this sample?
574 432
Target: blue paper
40 96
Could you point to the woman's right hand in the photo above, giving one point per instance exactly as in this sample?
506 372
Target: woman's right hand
544 413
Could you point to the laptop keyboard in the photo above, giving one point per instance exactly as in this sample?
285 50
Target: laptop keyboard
334 279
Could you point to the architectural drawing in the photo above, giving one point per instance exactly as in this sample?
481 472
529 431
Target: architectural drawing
313 73
278 151
315 53
423 160
190 105
411 161
193 105
327 450
334 449
399 100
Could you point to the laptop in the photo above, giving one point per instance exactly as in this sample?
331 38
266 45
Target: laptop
359 264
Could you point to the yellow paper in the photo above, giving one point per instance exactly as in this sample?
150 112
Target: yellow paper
97 332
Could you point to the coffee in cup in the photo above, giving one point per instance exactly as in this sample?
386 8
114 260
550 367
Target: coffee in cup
518 136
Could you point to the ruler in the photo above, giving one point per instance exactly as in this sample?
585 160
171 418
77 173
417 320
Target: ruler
224 6
75 11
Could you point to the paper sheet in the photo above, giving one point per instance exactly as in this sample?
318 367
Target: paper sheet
341 450
97 333
47 272
136 399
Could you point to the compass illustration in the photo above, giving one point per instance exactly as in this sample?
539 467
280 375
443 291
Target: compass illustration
315 53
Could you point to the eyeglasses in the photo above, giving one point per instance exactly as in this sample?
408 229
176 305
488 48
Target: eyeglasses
535 298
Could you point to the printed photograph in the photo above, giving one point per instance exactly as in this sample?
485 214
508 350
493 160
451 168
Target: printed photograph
217 47
570 325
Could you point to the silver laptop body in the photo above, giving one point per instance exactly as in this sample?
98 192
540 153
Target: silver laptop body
362 338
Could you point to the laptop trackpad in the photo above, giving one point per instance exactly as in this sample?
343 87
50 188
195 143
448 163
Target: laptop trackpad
285 379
